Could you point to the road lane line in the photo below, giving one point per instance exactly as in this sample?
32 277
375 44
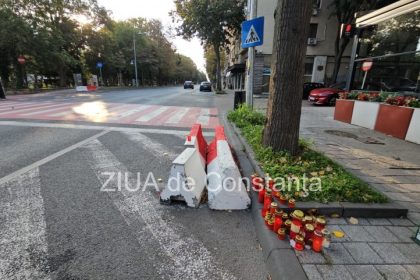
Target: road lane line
190 257
151 115
23 244
180 133
150 144
177 117
49 158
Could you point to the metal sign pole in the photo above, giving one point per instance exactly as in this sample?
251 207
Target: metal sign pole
251 57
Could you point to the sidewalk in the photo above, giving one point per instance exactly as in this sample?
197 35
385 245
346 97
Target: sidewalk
372 248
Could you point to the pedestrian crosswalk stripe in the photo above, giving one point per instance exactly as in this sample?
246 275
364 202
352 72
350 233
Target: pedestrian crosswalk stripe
152 114
177 117
43 106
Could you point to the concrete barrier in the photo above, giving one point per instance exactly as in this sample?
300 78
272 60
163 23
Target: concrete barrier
226 190
187 179
196 139
86 88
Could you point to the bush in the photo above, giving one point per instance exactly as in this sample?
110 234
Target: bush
337 183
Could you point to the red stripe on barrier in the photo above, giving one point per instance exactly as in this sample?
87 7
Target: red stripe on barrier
91 88
197 132
212 149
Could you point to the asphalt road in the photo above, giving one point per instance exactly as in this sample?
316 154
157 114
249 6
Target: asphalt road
57 221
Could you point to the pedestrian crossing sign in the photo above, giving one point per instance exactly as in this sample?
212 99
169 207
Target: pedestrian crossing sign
253 32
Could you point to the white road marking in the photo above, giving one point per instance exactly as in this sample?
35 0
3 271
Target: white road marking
49 158
177 117
148 143
151 115
23 244
181 133
20 105
64 106
40 107
204 117
130 112
191 259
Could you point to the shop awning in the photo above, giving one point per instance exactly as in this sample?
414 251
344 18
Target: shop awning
237 68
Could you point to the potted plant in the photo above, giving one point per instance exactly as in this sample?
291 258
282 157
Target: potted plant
413 132
344 107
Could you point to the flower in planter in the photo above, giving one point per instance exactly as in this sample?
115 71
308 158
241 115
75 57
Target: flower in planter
396 100
363 97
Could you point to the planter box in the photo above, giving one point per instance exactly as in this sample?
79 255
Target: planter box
413 133
343 110
393 120
365 113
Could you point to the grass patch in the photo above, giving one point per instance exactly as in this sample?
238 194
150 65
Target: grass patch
338 185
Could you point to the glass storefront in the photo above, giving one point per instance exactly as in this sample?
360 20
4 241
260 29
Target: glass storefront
394 48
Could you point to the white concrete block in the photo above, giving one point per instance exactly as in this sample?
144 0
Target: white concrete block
413 133
365 114
81 88
226 190
196 139
187 179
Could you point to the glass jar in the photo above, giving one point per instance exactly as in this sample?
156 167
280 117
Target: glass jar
296 225
270 224
267 218
327 238
261 195
283 199
278 220
285 217
287 225
317 240
273 208
300 243
309 232
292 203
281 233
320 223
308 220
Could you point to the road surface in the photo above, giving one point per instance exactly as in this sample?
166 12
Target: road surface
58 221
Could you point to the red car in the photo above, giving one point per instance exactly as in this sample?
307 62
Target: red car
326 96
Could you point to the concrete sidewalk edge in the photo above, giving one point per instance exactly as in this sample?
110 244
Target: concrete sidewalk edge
279 257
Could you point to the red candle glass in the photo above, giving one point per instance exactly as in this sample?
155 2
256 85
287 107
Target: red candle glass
277 220
283 199
287 225
309 232
317 240
273 208
267 218
292 203
320 223
261 195
300 243
296 225
281 233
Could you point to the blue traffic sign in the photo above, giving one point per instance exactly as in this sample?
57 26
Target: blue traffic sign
253 32
99 65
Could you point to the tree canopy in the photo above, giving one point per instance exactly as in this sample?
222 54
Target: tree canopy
59 38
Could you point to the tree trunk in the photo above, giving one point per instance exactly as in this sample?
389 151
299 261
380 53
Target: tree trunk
338 56
2 91
292 20
218 72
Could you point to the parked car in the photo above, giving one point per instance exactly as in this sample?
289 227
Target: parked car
205 86
188 84
326 96
308 87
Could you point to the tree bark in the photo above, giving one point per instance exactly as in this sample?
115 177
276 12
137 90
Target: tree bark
292 20
2 91
342 45
218 72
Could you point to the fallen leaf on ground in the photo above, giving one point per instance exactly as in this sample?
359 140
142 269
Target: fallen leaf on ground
338 233
353 221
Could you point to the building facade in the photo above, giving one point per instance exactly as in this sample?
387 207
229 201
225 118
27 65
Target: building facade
320 54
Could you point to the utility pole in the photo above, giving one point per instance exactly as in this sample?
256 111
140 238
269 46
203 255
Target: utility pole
135 59
251 57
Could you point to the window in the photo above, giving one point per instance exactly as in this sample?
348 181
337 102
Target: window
309 65
313 29
316 4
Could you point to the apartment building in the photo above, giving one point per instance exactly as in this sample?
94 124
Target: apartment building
320 54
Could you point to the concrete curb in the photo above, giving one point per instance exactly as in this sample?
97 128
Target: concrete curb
280 259
344 209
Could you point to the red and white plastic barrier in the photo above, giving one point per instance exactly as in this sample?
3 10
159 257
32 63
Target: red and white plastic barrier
187 179
226 191
196 139
86 88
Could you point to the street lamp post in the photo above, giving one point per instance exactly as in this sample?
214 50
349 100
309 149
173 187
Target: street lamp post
135 59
